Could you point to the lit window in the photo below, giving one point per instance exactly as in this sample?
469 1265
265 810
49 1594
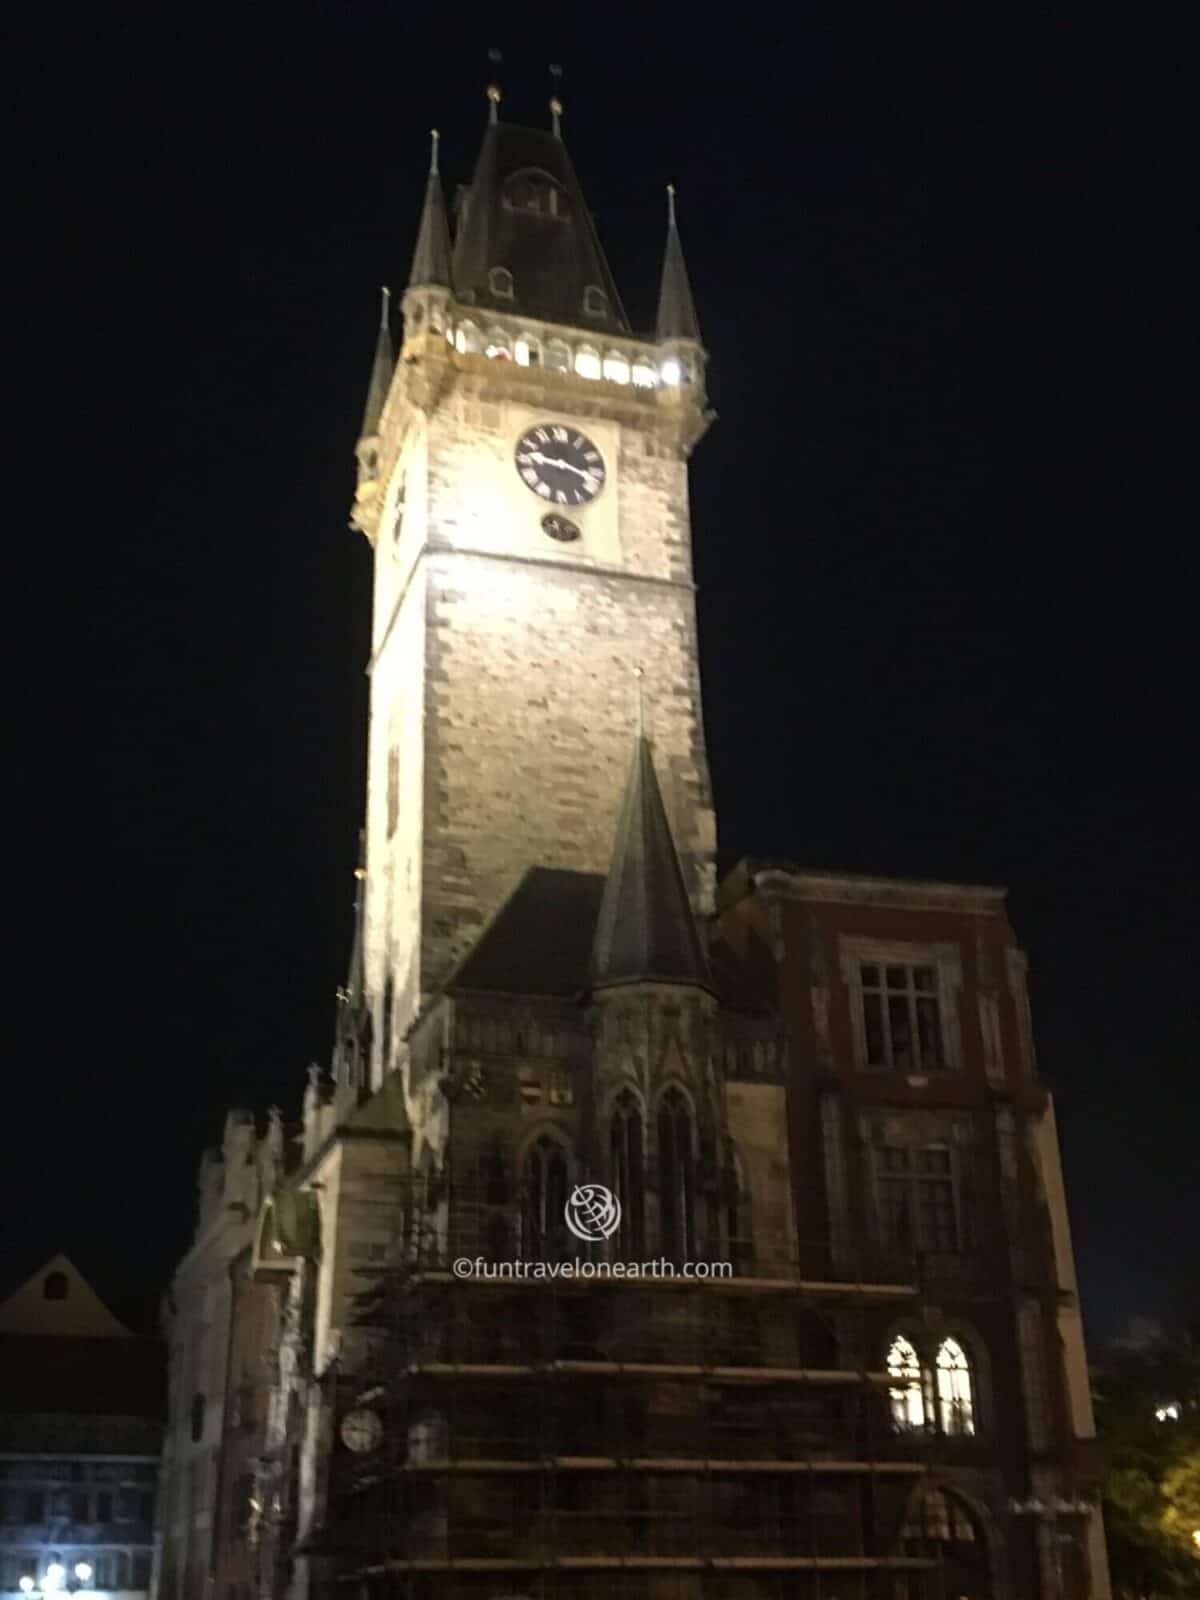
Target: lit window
907 1391
645 374
500 283
671 372
558 356
498 347
940 1517
527 350
902 1024
955 1391
917 1197
616 368
587 362
595 301
467 341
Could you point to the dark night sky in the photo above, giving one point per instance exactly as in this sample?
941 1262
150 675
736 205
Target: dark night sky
946 260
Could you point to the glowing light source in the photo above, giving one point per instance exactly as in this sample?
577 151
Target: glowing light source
1168 1413
644 374
616 368
587 362
83 1571
671 371
1195 1541
26 1584
55 1573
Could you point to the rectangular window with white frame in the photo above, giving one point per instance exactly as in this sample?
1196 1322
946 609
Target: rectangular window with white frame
904 1004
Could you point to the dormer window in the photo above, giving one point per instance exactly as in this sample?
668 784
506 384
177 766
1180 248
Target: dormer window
595 301
500 283
536 191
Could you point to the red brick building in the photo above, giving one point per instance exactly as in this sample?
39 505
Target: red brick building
922 1139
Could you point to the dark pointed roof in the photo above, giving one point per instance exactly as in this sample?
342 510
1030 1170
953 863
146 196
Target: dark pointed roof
352 1030
431 258
382 367
645 931
676 309
525 212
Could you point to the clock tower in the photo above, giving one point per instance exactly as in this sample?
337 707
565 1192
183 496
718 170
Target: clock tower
523 481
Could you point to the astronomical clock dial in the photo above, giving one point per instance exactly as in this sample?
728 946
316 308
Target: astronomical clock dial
560 465
362 1431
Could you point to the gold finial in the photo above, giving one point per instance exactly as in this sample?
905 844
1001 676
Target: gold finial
385 297
556 105
434 137
493 94
360 873
671 204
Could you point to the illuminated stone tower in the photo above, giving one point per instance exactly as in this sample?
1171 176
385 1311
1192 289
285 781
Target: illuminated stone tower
523 482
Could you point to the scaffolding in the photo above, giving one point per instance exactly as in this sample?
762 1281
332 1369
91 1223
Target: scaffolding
654 1437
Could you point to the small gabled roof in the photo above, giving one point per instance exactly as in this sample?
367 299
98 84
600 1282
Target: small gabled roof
539 941
645 932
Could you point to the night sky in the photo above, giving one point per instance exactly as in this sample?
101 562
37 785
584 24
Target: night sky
946 262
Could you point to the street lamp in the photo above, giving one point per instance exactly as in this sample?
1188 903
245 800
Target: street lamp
83 1571
25 1584
55 1573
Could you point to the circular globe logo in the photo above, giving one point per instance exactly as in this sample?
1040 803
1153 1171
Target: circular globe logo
592 1212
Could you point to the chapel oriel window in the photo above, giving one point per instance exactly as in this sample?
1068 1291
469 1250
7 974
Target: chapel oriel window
677 1176
627 1171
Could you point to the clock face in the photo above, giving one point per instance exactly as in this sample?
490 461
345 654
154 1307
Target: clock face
361 1431
560 465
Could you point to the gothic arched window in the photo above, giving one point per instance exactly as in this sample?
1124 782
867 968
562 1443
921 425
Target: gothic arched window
544 1199
907 1391
677 1176
627 1170
558 355
587 362
955 1389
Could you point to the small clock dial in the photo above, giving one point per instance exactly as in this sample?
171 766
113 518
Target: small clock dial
361 1431
560 528
559 465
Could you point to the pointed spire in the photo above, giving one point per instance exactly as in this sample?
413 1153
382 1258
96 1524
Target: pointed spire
431 258
382 367
556 105
645 932
352 1029
676 308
